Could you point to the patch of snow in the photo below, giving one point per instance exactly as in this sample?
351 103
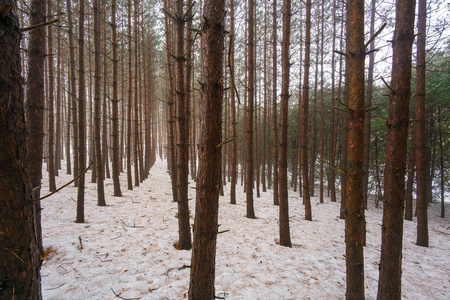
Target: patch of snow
127 248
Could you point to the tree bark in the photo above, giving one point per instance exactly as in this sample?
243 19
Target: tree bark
73 88
250 113
81 117
389 284
19 266
115 106
130 101
201 284
51 99
97 99
184 229
35 109
233 111
422 205
369 104
285 237
354 209
274 104
305 111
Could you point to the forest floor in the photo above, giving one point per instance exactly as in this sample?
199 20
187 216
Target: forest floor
126 249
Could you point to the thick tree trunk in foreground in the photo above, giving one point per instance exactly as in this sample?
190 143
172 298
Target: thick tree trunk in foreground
19 266
354 209
389 284
285 237
201 284
35 108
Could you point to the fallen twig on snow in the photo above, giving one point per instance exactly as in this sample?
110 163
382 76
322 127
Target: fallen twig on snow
118 296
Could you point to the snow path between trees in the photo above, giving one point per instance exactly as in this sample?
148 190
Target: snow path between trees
127 248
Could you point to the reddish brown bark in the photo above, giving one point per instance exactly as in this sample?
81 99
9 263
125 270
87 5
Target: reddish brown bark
389 284
201 284
19 266
184 229
285 237
354 209
422 205
35 108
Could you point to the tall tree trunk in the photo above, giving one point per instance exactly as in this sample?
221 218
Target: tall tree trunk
73 88
130 101
389 283
313 135
201 285
35 110
322 117
136 97
19 266
250 115
68 124
51 99
97 99
274 104
115 106
354 209
333 138
184 229
105 119
285 237
233 110
171 110
369 104
264 87
305 111
422 205
57 165
81 116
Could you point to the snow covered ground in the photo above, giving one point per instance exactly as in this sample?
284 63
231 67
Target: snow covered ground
126 248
